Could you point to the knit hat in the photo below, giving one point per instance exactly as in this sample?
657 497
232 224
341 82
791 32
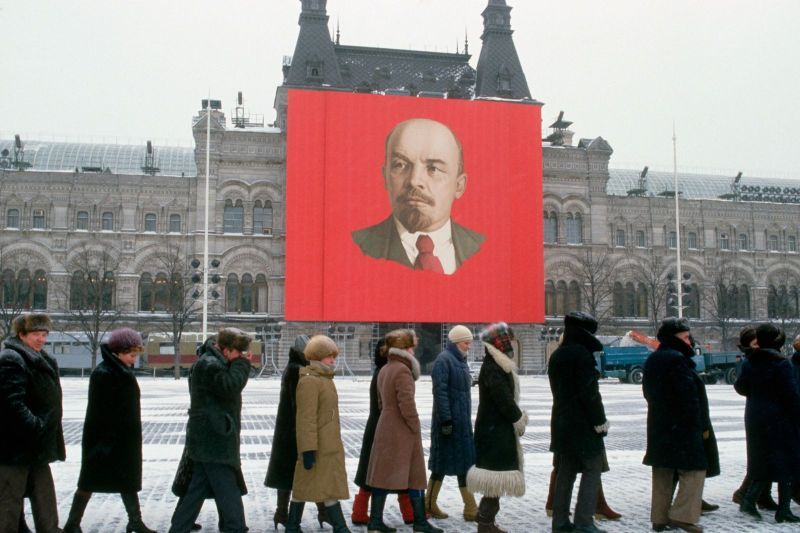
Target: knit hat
769 336
233 339
670 327
500 336
459 333
581 320
319 347
124 340
25 324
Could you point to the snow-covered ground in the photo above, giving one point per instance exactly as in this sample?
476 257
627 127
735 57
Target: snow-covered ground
627 485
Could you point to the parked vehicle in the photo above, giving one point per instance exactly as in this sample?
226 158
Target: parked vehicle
160 352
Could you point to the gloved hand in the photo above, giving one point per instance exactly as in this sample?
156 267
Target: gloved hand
309 458
447 428
603 428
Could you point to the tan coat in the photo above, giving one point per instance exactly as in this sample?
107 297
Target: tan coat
397 461
318 430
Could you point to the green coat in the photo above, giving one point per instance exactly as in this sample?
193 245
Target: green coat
318 430
215 386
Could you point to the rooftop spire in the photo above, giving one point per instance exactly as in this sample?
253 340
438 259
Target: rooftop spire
499 70
314 61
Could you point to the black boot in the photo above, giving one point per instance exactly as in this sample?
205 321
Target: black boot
322 514
421 524
376 524
135 524
282 508
295 517
748 504
79 502
765 500
487 511
335 518
784 512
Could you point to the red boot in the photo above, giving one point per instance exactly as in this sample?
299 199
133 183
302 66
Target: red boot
405 507
360 514
602 510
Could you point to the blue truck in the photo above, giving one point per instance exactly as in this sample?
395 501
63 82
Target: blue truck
627 364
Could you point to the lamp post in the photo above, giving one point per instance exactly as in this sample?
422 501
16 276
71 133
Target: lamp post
271 335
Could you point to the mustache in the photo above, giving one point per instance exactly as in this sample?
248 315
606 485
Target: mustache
416 195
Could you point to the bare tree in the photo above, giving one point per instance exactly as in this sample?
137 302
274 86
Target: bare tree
723 300
15 292
649 272
594 269
783 300
89 297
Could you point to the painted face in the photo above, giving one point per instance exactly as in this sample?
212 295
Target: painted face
34 339
422 173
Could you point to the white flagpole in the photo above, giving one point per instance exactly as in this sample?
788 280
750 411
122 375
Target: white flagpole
205 230
679 284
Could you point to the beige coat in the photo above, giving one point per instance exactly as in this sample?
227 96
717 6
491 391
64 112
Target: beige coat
318 430
397 461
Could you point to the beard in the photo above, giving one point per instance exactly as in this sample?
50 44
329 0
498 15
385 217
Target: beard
412 217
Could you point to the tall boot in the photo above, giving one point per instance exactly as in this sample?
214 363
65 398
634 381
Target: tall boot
135 524
405 508
79 502
765 500
748 504
551 489
282 508
487 511
602 510
738 494
360 514
295 517
421 524
335 518
376 524
430 499
784 512
322 514
470 507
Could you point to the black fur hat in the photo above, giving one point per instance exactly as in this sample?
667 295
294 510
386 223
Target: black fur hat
769 336
234 339
671 326
25 324
582 320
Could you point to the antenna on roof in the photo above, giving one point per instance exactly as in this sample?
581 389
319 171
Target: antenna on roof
559 128
466 42
149 166
242 118
641 189
337 30
19 154
736 190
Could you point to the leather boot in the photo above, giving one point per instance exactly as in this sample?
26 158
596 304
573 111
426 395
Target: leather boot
738 494
748 504
784 512
405 508
135 524
765 500
602 510
295 517
487 511
322 514
79 502
470 507
282 508
430 500
376 524
360 513
335 518
421 524
551 489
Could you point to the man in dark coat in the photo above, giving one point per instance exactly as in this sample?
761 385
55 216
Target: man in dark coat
675 429
452 446
771 421
30 418
578 422
216 382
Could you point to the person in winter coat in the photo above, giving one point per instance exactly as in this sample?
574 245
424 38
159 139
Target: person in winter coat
452 445
360 513
675 429
500 423
283 456
771 421
319 472
111 460
30 418
396 462
578 423
216 382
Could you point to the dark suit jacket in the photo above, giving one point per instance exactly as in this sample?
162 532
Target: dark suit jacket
382 241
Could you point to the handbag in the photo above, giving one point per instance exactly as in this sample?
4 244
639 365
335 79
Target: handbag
183 476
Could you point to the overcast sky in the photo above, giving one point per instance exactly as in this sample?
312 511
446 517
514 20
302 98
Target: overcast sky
726 72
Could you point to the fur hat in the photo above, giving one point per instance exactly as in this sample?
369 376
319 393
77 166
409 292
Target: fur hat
125 340
459 333
500 336
581 320
25 324
769 336
300 343
670 327
233 339
746 336
319 347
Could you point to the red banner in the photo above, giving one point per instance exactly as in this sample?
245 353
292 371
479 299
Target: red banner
403 209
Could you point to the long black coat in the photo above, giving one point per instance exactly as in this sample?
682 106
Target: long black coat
282 458
372 423
675 418
30 406
111 459
577 404
710 444
771 417
451 454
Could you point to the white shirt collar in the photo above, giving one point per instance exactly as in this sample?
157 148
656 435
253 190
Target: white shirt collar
442 244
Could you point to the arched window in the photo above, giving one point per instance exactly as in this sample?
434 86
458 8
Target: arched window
673 239
620 237
24 289
38 221
574 228
772 243
40 290
642 300
743 243
76 291
630 300
233 217
108 221
743 303
82 220
262 218
724 242
146 292
551 227
693 305
791 243
772 302
246 290
150 222
161 295
549 298
12 218
108 292
619 306
9 289
174 223
262 295
573 297
232 293
561 298
691 240
641 242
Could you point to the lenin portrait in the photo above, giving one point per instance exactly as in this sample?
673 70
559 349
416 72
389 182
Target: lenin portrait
423 173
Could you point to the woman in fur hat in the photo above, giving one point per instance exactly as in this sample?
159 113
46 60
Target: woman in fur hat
111 461
498 469
319 473
396 462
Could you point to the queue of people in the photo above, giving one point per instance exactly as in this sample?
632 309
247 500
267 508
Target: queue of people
307 457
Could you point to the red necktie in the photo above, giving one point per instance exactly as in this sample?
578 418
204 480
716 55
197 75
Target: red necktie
425 259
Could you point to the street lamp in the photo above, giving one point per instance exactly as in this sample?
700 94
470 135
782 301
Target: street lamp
271 335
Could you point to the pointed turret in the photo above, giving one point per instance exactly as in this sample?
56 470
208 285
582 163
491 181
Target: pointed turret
314 60
499 70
